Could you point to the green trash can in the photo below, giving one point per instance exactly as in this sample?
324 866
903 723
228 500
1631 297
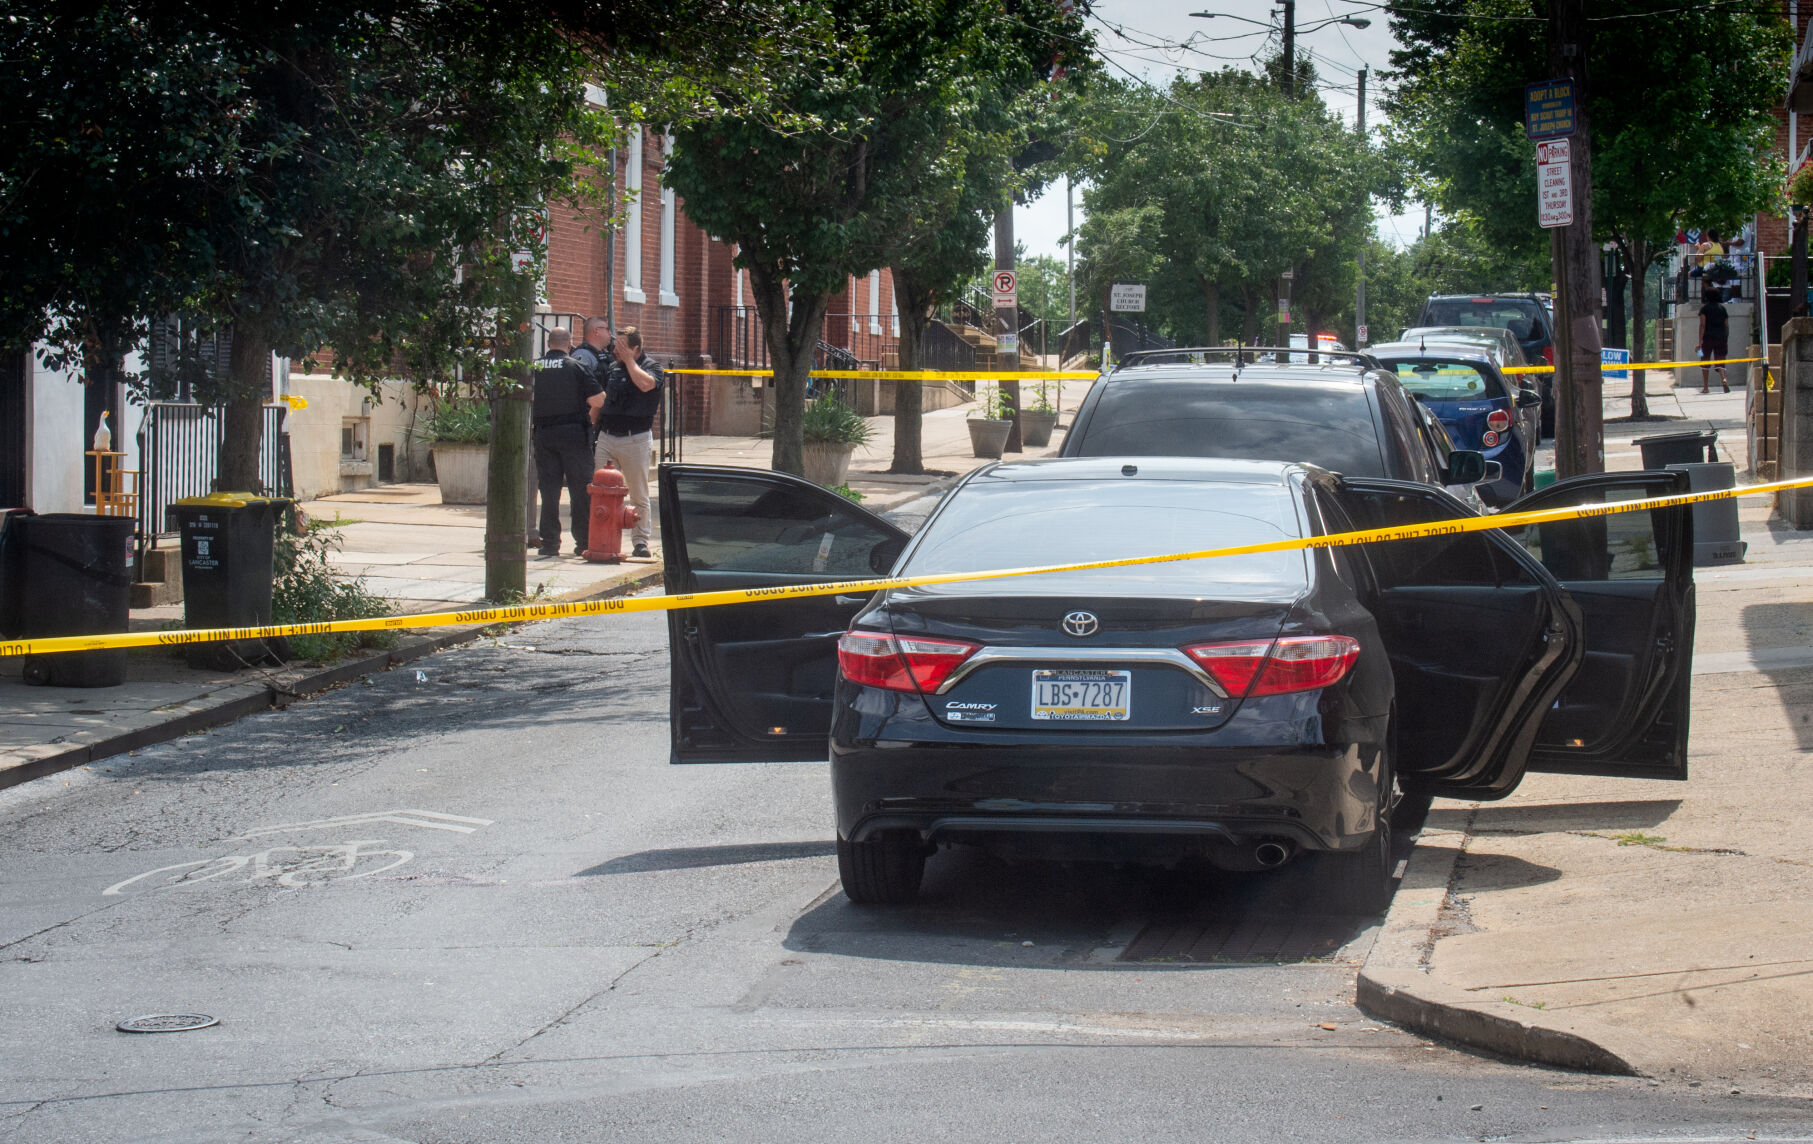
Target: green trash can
67 574
227 545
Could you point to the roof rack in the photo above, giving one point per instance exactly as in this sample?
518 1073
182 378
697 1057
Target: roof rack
1240 355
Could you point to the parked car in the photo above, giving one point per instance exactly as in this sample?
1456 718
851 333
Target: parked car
1478 406
1247 710
1345 413
1523 314
1501 343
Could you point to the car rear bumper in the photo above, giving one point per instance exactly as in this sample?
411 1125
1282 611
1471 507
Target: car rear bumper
1316 798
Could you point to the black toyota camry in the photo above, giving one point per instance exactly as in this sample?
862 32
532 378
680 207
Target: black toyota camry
1248 710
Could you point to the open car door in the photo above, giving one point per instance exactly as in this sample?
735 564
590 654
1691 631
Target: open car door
1625 711
753 682
1480 637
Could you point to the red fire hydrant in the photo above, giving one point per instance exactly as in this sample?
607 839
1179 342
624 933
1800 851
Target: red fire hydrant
610 516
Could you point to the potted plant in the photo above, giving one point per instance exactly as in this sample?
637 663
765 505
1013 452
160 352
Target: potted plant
1800 186
989 423
1038 419
460 432
830 431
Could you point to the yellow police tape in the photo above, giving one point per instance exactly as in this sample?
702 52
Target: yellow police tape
1621 366
913 374
521 612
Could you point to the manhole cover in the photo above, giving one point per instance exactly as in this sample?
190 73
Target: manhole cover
167 1023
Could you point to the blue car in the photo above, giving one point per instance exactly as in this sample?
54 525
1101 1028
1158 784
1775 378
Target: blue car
1476 404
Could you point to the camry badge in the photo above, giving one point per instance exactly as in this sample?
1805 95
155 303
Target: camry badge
1080 624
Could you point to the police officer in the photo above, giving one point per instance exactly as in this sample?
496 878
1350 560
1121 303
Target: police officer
566 393
632 396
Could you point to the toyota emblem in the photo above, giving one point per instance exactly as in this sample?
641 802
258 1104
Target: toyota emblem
1080 624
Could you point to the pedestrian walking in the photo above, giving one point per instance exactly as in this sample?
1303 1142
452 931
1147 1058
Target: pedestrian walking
632 395
566 393
1715 331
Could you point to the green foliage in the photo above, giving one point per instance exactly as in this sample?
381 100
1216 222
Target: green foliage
1800 186
304 590
848 493
458 421
830 421
1041 397
991 404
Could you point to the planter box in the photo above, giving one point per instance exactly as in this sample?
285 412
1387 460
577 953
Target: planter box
1036 427
988 438
460 469
826 463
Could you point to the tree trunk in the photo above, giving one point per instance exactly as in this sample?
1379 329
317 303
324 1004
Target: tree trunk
1249 323
242 419
792 340
506 473
1211 300
1636 254
913 304
1580 429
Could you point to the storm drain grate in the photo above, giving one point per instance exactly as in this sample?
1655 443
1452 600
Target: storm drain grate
167 1023
1247 938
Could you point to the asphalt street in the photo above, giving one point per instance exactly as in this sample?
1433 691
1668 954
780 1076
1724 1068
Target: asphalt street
470 900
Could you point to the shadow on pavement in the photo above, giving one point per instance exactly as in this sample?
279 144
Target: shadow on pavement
1546 818
1480 871
695 857
1786 625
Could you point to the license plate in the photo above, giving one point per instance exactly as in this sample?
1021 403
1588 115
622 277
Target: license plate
1081 696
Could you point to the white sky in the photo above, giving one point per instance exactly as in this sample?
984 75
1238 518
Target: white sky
1339 52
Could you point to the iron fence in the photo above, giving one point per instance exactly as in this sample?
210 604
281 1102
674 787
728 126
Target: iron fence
179 451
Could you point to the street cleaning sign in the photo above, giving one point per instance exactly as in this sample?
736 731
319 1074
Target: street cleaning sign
1554 184
1548 109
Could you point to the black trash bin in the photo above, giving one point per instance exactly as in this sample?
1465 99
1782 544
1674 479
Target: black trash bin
67 574
1665 449
227 542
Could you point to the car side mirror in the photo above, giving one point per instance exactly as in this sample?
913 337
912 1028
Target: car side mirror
1465 467
1527 398
1494 472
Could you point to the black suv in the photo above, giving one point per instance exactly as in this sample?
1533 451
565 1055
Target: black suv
1343 412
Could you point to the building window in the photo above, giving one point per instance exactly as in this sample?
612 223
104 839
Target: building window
668 297
854 309
736 276
632 226
875 301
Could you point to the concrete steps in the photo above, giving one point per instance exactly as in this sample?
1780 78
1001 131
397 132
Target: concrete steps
163 580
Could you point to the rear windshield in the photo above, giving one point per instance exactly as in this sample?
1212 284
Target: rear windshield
1321 424
1521 316
1448 380
1019 524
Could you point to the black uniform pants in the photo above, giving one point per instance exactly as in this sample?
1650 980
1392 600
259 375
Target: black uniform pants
563 457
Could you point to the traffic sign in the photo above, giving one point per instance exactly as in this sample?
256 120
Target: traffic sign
1554 184
1125 298
1362 338
1548 109
1610 356
1005 285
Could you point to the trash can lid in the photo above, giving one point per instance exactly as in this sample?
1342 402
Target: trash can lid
231 500
1703 435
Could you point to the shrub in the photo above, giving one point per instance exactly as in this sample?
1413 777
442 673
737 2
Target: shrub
304 590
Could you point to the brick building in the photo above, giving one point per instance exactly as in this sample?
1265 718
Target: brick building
667 277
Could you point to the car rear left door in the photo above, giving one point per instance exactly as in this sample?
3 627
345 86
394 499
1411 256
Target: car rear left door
753 682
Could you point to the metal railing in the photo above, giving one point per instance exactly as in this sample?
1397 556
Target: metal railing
179 453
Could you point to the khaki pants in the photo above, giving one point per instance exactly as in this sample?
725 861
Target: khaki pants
630 456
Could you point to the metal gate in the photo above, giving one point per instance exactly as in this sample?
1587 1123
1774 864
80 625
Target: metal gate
179 451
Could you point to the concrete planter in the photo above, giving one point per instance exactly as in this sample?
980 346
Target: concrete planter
826 463
988 438
460 469
1036 427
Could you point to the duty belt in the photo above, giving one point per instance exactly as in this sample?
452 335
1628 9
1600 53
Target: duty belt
559 419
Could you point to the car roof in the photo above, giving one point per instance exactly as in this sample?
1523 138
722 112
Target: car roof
1520 295
1343 372
1467 351
1209 470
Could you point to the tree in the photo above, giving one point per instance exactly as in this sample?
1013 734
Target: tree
1682 129
887 106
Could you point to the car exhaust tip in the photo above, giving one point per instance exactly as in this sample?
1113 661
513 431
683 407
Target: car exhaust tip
1271 854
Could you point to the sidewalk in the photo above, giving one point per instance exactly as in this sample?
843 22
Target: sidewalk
1657 928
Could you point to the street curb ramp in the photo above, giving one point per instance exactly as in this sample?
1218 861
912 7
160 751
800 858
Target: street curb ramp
1395 983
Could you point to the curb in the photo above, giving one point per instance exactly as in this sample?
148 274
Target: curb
1395 983
281 695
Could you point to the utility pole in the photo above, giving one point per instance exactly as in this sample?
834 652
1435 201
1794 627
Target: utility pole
1579 415
1070 248
1290 46
1009 361
506 521
1359 288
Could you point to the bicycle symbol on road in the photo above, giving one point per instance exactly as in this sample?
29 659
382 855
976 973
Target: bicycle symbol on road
283 865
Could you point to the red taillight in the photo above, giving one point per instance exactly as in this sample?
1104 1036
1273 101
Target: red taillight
1273 667
1498 420
1488 439
903 663
1548 355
